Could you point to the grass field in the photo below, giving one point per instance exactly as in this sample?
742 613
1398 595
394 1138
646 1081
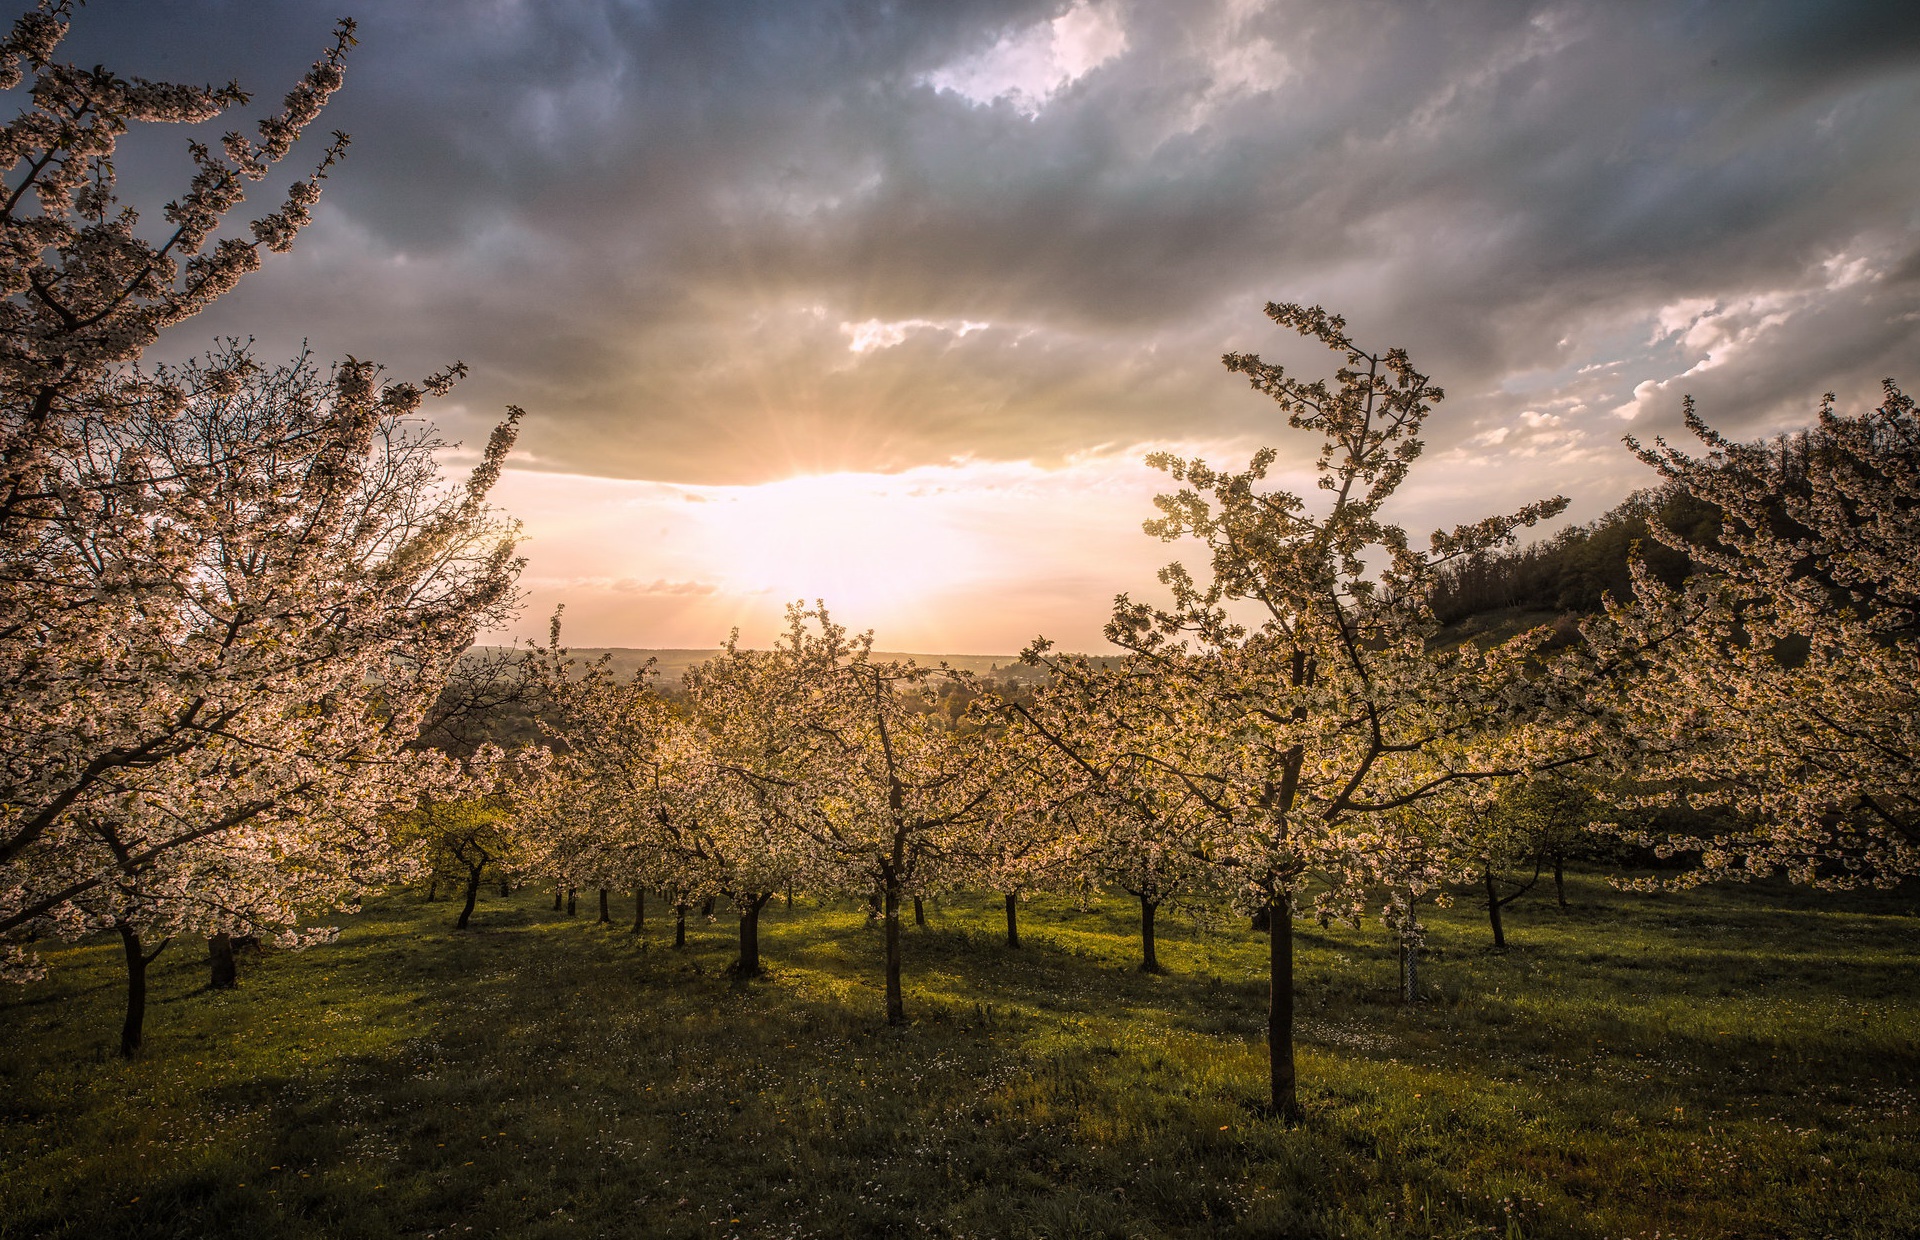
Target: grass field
1734 1062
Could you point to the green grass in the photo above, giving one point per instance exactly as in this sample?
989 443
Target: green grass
1733 1062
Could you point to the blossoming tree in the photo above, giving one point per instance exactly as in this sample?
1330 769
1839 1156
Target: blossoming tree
83 295
222 759
1781 684
1329 705
895 791
1094 728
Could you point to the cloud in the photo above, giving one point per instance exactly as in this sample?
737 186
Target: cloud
1028 67
717 243
875 334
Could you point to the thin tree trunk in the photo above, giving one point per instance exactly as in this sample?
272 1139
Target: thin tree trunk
919 912
876 904
606 914
896 1004
1560 880
556 897
1409 970
1013 920
1493 912
225 972
639 908
1149 958
433 889
137 962
749 963
789 895
473 894
572 907
506 887
1286 1097
706 909
679 925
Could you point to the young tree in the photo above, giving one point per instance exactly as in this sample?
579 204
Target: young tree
759 711
1131 824
897 789
1330 706
620 799
487 694
1781 684
1413 862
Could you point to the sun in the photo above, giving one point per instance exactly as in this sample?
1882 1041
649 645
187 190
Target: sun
870 545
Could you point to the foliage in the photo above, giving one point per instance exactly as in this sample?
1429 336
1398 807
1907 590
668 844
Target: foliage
1781 684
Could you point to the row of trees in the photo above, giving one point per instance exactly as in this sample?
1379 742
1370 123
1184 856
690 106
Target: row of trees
232 596
1292 731
229 592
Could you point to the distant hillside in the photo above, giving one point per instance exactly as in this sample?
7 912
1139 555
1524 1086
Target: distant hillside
671 665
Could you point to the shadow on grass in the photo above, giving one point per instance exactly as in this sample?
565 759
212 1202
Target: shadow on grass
546 1076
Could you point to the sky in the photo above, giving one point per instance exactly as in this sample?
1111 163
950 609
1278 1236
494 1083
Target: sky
884 301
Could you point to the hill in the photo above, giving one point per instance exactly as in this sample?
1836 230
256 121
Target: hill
671 664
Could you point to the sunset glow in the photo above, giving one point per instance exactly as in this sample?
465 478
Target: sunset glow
966 557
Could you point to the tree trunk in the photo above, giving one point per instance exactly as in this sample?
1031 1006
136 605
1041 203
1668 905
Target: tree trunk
896 1004
1560 880
876 904
1149 959
137 962
473 894
433 889
706 909
506 887
572 907
1493 913
639 908
1409 970
1286 1098
749 963
606 914
225 973
789 895
679 925
1013 920
556 897
919 912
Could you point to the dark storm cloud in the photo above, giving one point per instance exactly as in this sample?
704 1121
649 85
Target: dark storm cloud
660 226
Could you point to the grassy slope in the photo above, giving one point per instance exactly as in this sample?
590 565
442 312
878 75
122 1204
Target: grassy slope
1733 1062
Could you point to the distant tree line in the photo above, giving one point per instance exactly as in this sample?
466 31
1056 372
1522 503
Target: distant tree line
1578 569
